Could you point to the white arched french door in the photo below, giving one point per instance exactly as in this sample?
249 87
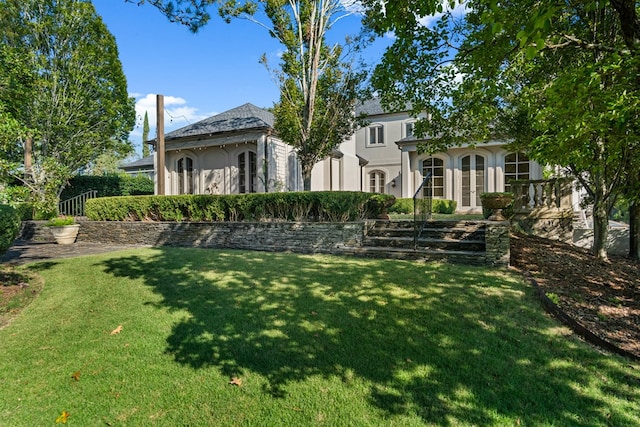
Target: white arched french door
474 172
185 175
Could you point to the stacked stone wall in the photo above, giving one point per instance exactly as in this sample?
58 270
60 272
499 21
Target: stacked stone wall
299 237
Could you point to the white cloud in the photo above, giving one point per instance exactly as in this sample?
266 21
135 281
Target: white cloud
177 113
352 6
459 11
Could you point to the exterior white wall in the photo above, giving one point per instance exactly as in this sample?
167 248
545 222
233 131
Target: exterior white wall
402 164
278 169
385 157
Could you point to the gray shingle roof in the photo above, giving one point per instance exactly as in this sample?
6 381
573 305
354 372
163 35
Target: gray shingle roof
141 163
373 107
370 107
244 117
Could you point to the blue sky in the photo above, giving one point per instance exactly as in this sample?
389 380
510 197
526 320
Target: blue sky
199 74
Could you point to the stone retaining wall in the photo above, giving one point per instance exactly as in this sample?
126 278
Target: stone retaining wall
299 237
497 243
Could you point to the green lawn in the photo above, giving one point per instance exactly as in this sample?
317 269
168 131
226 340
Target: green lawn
314 340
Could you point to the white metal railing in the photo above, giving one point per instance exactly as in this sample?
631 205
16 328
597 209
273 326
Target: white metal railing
75 205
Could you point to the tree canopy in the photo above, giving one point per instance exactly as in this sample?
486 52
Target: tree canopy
319 83
68 94
558 80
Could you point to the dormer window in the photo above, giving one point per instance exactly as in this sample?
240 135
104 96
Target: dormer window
376 135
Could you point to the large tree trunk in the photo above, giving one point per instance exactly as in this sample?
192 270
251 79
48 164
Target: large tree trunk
600 225
634 229
306 177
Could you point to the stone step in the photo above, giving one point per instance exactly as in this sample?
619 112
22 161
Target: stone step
474 245
400 224
463 257
434 233
444 230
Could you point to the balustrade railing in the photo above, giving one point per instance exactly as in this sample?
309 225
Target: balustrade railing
541 194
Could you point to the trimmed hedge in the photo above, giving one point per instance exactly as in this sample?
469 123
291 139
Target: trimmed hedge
9 226
441 206
108 185
325 206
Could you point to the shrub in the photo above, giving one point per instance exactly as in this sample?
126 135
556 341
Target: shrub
441 206
9 226
108 185
135 185
402 206
295 206
444 206
60 221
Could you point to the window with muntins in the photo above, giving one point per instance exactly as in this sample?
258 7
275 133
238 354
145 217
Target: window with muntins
247 172
408 129
185 175
436 167
376 182
516 166
376 135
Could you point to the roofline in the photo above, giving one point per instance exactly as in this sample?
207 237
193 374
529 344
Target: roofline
192 138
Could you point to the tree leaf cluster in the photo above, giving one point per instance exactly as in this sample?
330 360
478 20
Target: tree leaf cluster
557 80
62 86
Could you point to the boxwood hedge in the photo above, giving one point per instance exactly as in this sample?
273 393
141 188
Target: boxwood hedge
327 206
9 226
441 206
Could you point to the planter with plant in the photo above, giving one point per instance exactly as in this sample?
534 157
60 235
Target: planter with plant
496 202
64 229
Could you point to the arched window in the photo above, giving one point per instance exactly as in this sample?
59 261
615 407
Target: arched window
516 166
436 167
185 175
247 172
376 181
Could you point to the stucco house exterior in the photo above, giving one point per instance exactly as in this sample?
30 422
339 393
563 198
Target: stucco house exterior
238 151
234 152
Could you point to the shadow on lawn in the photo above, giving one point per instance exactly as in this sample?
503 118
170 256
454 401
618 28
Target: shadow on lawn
423 343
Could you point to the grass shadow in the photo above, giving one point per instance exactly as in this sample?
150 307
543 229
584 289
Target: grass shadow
445 342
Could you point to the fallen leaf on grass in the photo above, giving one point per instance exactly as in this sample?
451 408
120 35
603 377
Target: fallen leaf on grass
76 375
117 330
236 381
63 417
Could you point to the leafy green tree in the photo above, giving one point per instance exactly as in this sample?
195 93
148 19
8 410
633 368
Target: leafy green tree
145 136
108 163
191 13
559 80
76 105
319 84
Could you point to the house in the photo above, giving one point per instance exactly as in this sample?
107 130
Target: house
142 166
395 166
234 152
238 151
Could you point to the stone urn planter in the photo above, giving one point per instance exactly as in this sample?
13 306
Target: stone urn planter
496 202
64 230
